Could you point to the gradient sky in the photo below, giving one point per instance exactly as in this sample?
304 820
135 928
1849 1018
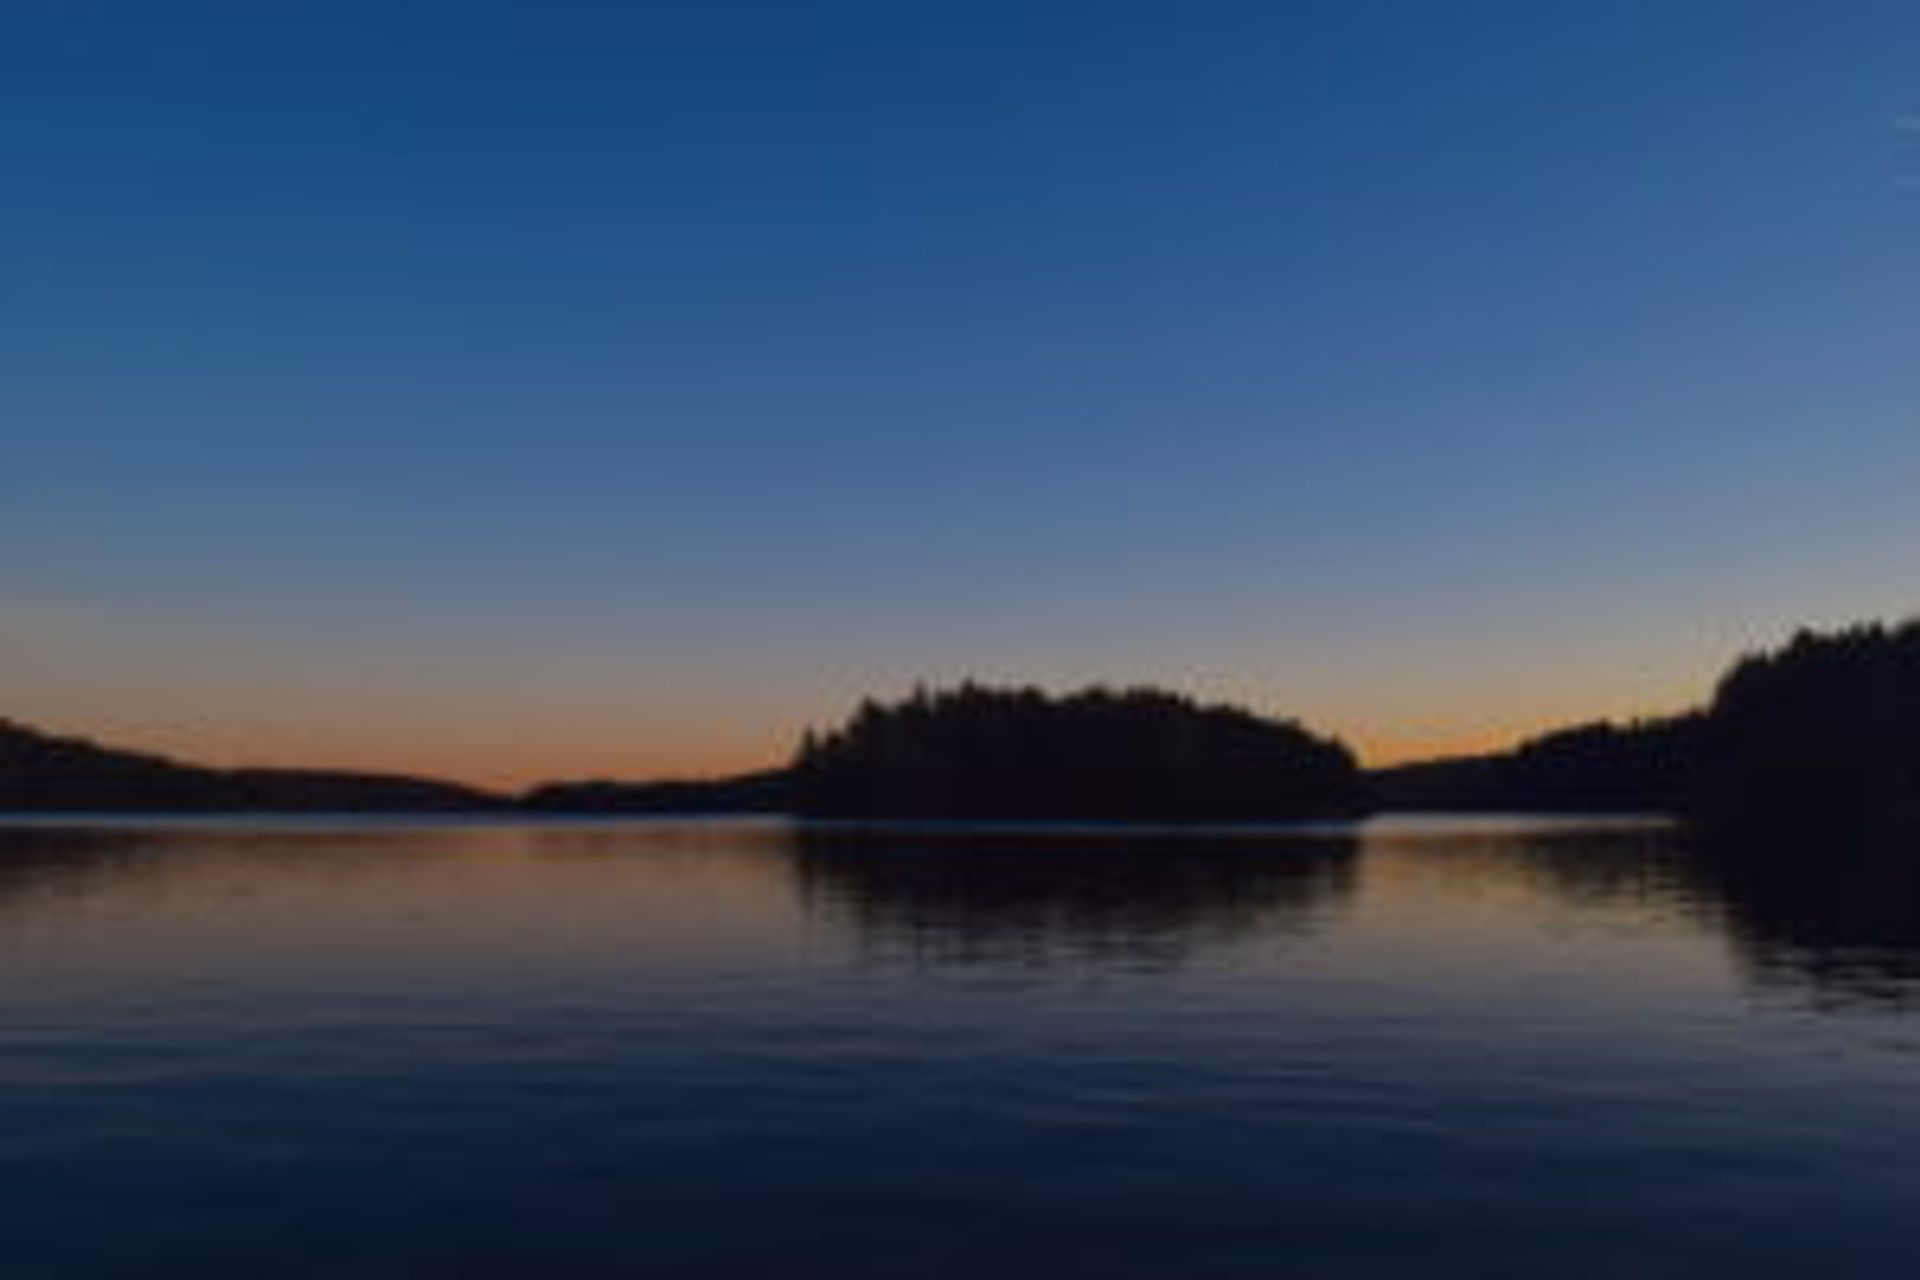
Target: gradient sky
527 389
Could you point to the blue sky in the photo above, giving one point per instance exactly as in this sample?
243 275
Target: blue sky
517 389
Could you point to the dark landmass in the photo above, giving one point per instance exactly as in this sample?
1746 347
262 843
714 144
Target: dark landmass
1647 766
1826 726
765 792
1821 733
41 773
1823 730
1132 755
339 791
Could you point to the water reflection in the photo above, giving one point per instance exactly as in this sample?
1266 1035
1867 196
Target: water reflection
1609 866
1835 918
1635 864
1833 921
1830 919
739 1049
39 863
976 895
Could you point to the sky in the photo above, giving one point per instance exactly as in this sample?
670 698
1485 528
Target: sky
526 390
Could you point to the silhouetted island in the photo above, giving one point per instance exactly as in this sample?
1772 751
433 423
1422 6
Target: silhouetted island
1823 730
1132 755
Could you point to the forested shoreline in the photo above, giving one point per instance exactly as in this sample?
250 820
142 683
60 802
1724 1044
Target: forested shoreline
1824 727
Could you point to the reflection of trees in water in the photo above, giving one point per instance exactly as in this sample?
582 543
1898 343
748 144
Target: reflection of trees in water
38 864
1835 915
1599 865
42 863
1640 866
964 895
1833 918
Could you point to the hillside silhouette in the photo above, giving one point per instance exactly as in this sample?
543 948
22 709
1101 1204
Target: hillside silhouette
977 752
43 773
1647 766
1824 729
768 791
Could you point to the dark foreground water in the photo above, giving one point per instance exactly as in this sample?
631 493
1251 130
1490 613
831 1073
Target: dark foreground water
1418 1049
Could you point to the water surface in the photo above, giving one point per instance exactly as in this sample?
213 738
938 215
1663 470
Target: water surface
1477 1048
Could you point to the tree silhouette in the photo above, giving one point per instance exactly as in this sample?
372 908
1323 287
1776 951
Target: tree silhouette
1099 754
1646 766
1825 729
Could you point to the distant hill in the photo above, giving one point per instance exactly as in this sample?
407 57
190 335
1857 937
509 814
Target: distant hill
40 772
765 792
1135 755
1824 729
1648 766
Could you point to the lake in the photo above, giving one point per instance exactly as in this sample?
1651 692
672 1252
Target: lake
1411 1048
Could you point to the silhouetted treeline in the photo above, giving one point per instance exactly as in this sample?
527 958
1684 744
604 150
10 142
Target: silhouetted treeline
766 792
1647 766
1135 755
1824 730
338 791
43 773
1827 727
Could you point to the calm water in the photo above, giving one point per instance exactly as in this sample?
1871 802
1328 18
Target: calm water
1475 1049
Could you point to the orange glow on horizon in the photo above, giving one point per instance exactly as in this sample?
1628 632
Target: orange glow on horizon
511 762
505 722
